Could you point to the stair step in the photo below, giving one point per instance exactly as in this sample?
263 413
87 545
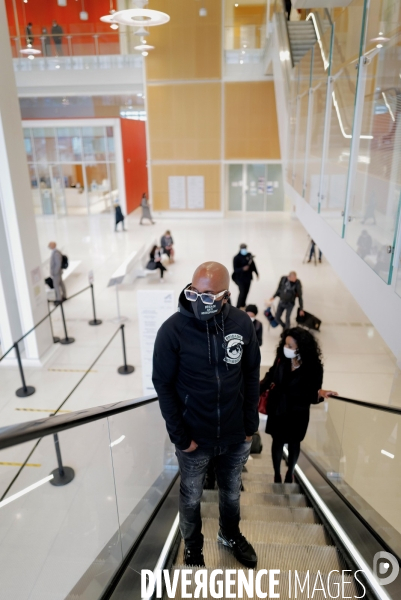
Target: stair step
297 557
281 589
274 533
250 499
265 513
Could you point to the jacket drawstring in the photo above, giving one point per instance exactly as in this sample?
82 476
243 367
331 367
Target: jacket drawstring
208 343
217 334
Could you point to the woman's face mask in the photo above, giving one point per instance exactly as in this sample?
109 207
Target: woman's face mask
289 353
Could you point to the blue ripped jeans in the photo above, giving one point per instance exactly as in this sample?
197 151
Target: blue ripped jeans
228 463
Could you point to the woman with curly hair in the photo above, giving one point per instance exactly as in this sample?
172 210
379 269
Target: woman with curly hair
295 382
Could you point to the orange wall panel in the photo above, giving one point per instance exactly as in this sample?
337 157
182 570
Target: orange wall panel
184 121
161 173
251 129
189 46
135 167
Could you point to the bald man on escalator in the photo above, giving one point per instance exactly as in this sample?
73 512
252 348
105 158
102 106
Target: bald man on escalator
206 373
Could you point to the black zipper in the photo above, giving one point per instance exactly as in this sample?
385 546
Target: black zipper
218 385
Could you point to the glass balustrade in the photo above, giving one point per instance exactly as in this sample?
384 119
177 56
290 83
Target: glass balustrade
69 540
358 449
344 131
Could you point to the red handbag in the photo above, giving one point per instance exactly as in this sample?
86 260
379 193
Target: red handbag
264 397
263 400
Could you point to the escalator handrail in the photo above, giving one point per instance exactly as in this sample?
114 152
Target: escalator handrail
33 430
384 407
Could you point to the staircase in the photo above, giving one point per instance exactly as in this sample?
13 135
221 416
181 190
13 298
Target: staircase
302 36
282 527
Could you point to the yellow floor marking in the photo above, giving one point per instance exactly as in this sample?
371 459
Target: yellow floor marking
73 370
14 464
46 410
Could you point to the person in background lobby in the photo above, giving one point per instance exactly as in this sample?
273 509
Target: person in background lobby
56 272
288 6
46 42
312 252
295 382
244 267
289 289
29 35
252 310
206 366
155 261
167 244
146 214
119 216
57 33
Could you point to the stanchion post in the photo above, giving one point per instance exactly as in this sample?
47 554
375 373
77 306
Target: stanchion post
66 340
25 390
94 321
56 339
62 475
125 369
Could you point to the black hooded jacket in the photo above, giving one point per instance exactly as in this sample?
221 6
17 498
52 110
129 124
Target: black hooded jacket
206 374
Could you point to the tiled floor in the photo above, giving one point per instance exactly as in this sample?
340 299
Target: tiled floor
357 364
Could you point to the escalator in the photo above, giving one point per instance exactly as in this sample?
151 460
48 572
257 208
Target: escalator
92 538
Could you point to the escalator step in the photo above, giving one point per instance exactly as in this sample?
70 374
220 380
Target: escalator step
251 498
250 485
283 587
265 513
274 533
278 556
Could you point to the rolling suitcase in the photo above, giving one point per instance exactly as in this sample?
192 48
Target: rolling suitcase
270 317
309 321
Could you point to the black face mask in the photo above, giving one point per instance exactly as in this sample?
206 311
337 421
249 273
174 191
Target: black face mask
204 312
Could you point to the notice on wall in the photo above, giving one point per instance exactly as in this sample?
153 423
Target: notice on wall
154 307
196 192
177 192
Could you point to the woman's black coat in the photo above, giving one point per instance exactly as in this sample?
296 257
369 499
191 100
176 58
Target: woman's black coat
290 399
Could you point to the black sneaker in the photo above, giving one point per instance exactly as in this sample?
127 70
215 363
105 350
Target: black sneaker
240 548
193 557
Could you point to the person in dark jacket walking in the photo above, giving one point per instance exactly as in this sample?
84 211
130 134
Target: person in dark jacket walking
57 33
288 290
205 370
252 310
244 267
295 382
119 217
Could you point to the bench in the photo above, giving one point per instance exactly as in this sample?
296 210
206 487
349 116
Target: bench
134 266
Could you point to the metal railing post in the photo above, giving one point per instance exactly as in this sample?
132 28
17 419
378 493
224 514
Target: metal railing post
56 339
66 340
62 475
125 369
25 390
94 321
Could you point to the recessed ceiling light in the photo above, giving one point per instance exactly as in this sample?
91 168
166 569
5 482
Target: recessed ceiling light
244 45
243 52
241 62
57 66
380 33
236 5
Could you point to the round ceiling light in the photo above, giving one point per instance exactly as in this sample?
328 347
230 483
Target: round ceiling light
30 51
140 17
144 47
